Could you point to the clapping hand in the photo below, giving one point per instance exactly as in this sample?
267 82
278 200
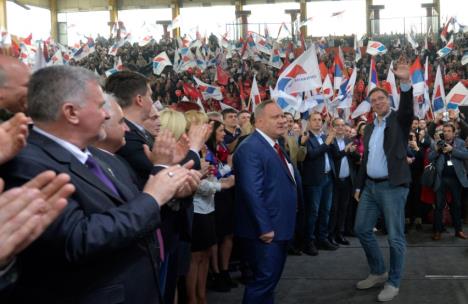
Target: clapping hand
25 212
13 134
163 149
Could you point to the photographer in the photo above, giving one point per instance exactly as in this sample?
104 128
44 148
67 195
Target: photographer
449 154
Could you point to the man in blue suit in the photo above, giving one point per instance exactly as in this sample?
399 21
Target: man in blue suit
267 190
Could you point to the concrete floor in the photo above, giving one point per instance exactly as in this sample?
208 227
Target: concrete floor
429 276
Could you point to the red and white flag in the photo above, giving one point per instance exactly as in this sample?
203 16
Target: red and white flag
255 98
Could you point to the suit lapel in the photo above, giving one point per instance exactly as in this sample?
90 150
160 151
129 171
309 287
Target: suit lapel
121 188
61 155
144 135
272 150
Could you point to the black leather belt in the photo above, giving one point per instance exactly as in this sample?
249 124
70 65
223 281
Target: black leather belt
378 180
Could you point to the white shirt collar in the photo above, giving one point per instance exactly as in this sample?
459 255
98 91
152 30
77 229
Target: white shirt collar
82 156
384 119
267 138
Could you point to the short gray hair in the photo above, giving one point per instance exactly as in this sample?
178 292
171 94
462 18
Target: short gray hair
108 98
259 109
50 87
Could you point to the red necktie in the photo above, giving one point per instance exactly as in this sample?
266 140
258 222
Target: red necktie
281 155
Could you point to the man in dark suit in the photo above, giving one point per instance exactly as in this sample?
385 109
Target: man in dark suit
382 184
267 188
27 211
101 248
344 157
133 93
449 156
317 175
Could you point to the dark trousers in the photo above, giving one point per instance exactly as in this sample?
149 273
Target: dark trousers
339 211
267 262
413 208
453 185
318 201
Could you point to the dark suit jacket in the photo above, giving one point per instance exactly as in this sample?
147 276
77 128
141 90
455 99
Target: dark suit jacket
266 194
134 154
458 158
353 158
313 166
175 224
117 167
396 133
99 250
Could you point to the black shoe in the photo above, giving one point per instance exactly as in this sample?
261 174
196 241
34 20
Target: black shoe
310 249
326 245
333 242
341 240
219 283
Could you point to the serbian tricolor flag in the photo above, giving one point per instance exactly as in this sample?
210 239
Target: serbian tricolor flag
160 62
255 98
438 97
458 96
208 91
373 79
375 48
417 78
339 72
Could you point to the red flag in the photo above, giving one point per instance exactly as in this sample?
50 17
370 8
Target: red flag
323 70
15 48
191 91
28 39
222 76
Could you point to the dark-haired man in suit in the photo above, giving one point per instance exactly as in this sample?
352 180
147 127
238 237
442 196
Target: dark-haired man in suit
344 156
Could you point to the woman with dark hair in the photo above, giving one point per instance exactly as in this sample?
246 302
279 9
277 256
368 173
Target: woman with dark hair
203 228
218 155
358 141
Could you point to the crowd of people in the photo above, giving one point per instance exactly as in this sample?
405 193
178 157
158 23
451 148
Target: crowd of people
110 198
241 70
